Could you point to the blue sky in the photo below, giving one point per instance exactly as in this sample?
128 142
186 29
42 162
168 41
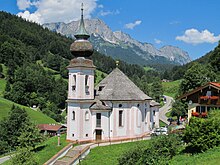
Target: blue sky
192 25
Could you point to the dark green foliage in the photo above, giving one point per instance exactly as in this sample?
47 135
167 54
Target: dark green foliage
178 109
10 129
157 90
202 134
196 76
215 58
17 130
160 151
24 156
30 136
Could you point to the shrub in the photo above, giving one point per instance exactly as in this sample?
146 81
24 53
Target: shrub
160 151
202 134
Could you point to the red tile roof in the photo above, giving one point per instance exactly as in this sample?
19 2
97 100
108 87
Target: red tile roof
215 84
49 127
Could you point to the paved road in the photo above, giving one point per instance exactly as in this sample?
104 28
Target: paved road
163 110
3 159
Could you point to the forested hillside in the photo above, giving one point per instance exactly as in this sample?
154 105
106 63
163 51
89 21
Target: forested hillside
34 56
212 58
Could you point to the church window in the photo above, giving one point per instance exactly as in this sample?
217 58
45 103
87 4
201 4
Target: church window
74 115
86 84
98 119
120 118
74 83
87 115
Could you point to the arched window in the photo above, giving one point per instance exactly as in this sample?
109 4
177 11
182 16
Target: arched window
87 115
74 115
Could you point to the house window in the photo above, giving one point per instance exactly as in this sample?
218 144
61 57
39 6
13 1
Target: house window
73 135
209 93
87 115
74 115
120 105
86 135
98 119
154 113
120 118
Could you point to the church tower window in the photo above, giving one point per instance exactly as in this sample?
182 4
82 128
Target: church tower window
86 84
74 83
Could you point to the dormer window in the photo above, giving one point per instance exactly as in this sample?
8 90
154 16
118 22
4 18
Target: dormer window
100 88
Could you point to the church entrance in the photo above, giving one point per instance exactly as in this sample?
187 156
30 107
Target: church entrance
98 134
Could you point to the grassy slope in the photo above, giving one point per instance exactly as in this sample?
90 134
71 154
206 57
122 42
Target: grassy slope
109 154
48 149
210 157
5 107
36 116
171 88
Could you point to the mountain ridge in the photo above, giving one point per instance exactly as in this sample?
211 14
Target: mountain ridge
114 43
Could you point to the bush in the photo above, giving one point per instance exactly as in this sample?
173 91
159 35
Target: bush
202 134
160 151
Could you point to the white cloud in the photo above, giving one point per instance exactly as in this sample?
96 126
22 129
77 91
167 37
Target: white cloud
104 13
23 4
157 41
55 10
193 36
132 25
100 6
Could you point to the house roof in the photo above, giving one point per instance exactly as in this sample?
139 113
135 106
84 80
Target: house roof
211 84
154 103
49 127
117 86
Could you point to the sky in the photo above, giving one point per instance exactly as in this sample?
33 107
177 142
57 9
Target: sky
192 25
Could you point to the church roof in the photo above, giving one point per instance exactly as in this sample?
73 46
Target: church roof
153 103
99 105
117 86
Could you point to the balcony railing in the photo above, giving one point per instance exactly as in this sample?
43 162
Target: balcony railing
209 97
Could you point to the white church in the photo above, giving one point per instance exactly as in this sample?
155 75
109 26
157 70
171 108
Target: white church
115 109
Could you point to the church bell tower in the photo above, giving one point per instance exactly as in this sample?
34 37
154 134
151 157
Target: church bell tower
81 68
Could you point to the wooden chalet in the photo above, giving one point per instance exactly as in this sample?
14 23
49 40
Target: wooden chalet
51 129
202 99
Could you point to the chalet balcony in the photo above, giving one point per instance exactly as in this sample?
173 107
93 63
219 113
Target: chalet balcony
209 97
209 100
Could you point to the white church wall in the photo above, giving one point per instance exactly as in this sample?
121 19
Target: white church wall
72 124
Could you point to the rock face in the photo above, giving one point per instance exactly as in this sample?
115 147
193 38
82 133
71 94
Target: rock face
121 46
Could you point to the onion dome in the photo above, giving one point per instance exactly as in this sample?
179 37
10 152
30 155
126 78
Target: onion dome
81 47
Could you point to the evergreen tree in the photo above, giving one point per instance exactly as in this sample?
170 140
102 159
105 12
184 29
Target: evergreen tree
196 76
